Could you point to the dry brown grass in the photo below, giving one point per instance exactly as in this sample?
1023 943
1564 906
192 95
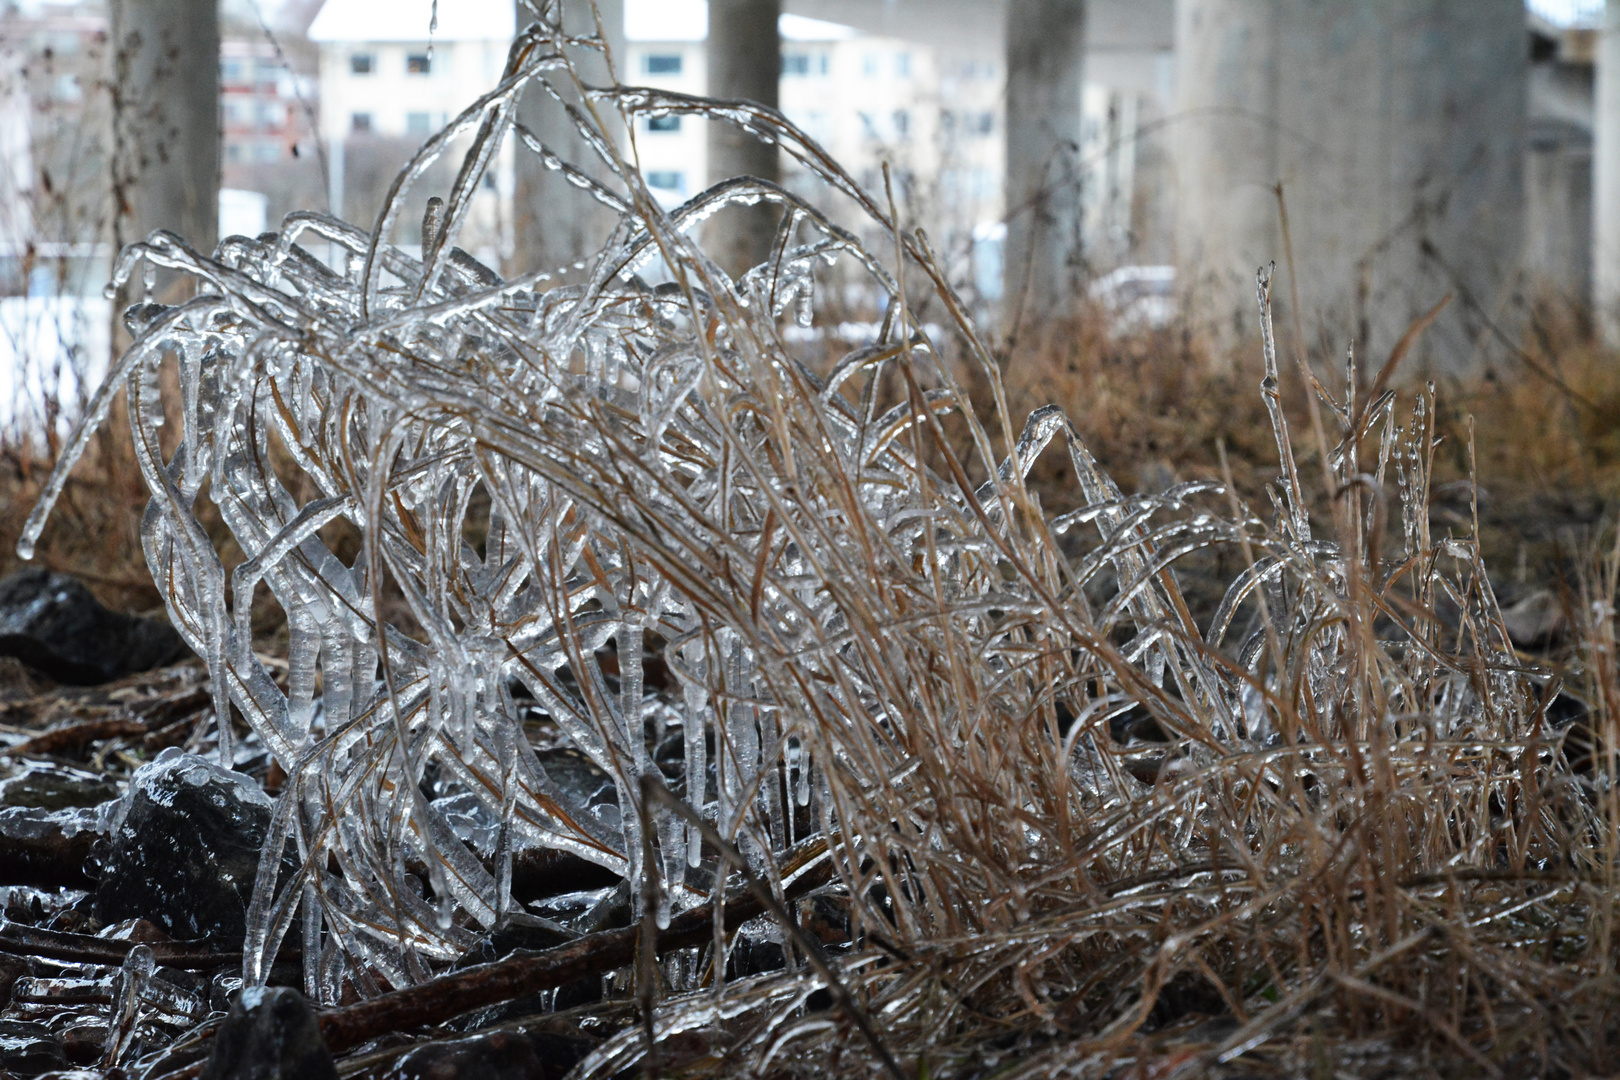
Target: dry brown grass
96 534
1413 899
1079 825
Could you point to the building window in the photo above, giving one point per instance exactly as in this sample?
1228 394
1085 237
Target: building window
798 63
902 65
418 123
663 123
418 64
813 123
230 71
362 63
667 180
869 65
360 123
663 64
902 123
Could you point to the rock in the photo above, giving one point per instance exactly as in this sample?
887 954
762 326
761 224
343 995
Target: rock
578 777
12 968
499 1055
539 872
183 849
48 848
587 911
143 931
56 787
29 1049
84 1038
270 1034
50 622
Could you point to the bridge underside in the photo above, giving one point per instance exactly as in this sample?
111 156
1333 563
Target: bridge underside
1128 42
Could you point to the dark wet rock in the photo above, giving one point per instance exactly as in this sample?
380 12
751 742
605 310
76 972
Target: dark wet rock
84 1038
56 787
587 911
578 777
50 622
144 931
270 1034
499 1055
755 956
538 873
184 849
12 968
48 848
28 1049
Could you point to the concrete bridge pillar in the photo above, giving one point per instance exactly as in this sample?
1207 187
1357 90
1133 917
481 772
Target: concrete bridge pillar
167 77
1606 179
1045 56
745 63
1396 128
554 223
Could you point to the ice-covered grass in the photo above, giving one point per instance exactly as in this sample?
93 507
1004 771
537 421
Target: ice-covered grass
1063 817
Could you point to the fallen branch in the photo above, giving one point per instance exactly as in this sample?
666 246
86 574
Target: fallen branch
73 737
451 995
84 949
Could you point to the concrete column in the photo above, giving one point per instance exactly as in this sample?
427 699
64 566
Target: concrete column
1606 179
166 119
554 223
1045 43
745 62
1397 130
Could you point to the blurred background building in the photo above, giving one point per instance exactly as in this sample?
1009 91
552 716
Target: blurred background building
1423 147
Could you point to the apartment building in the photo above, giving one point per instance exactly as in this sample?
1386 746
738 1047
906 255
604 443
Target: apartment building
391 77
868 100
261 103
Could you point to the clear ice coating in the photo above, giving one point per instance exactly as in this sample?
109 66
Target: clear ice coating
866 626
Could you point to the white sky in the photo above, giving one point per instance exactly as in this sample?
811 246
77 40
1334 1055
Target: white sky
1568 12
688 12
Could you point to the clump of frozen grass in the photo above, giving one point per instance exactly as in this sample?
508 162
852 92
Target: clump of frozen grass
878 639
